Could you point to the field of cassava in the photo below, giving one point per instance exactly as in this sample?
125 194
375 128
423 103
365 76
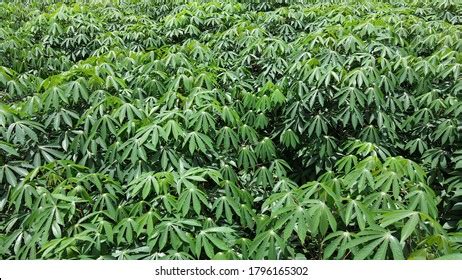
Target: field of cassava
283 129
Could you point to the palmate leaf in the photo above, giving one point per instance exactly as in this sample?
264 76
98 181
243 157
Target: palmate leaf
355 209
280 199
337 241
107 202
77 89
18 131
292 218
360 179
247 133
247 158
446 132
167 201
23 195
10 173
261 121
321 217
169 158
192 196
398 215
264 177
128 112
210 239
405 167
63 117
414 222
126 230
319 126
60 248
151 182
228 206
381 201
389 180
105 126
48 153
375 243
133 150
266 245
265 150
185 178
280 167
172 232
227 138
198 141
202 121
417 145
346 163
423 200
172 128
318 190
284 184
289 138
151 135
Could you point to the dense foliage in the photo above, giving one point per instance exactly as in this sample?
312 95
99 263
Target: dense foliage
284 129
